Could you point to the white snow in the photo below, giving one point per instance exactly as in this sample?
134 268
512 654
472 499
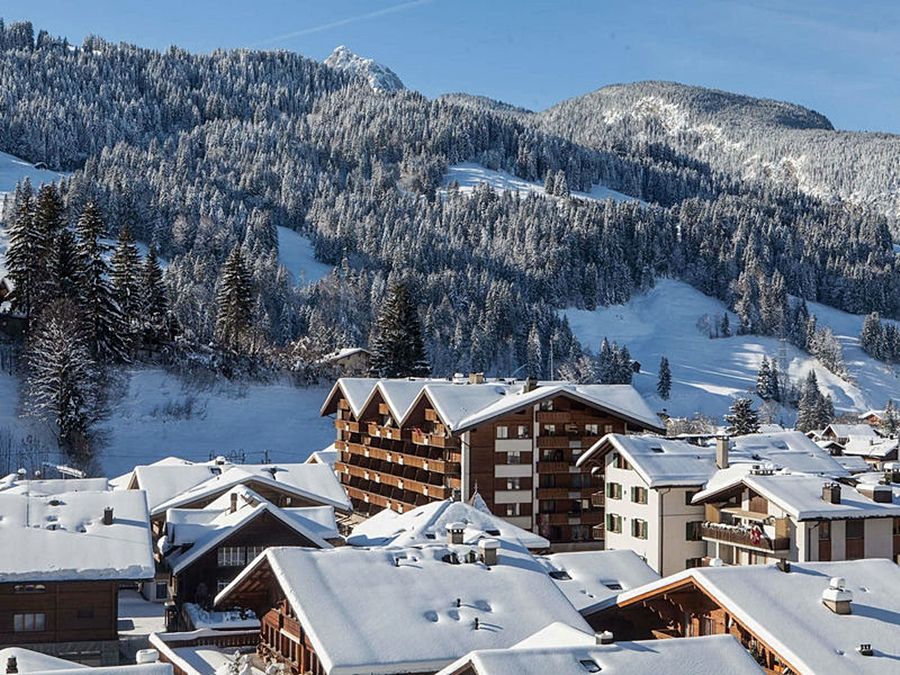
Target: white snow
296 253
160 414
379 77
406 618
30 662
227 620
62 537
471 174
707 374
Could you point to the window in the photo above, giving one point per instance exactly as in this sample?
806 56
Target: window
522 431
29 623
253 551
547 406
612 585
591 429
502 432
856 539
639 494
613 523
613 491
607 428
688 496
513 483
513 509
692 530
620 462
547 506
220 585
514 457
162 590
639 528
550 429
231 556
693 562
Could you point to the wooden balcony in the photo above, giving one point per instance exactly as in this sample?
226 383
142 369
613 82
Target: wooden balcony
343 404
554 416
435 464
598 499
390 433
419 437
347 425
431 415
429 490
560 441
553 493
384 409
742 536
554 467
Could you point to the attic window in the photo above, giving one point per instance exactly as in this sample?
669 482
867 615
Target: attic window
657 449
613 585
215 471
493 533
560 575
590 665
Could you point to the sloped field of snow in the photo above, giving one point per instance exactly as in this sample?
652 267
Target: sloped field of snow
707 374
295 252
160 414
470 174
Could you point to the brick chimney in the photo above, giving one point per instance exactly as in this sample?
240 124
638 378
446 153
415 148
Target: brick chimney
722 447
831 493
455 533
234 500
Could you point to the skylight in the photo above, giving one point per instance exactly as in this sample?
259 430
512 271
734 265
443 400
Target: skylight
590 665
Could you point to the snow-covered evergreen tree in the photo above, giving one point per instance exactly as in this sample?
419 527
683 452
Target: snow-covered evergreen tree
534 354
742 418
153 293
664 383
235 303
397 345
126 282
814 410
890 420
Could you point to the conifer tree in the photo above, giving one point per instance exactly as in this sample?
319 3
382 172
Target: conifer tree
47 223
742 418
664 384
890 420
725 326
534 358
125 276
235 302
814 411
397 345
153 293
22 251
766 381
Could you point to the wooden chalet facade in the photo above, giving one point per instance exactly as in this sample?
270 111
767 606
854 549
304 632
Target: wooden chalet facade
519 458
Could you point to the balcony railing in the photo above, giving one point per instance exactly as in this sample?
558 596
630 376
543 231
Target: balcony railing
554 467
743 536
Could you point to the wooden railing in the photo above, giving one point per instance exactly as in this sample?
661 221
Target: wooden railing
743 536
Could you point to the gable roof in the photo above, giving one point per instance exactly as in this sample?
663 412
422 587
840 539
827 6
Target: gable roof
62 537
559 648
428 524
785 610
406 617
203 529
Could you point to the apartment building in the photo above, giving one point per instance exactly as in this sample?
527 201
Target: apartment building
406 442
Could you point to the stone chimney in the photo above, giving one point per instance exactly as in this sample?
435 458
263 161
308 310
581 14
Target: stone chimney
530 384
722 447
836 597
476 378
108 515
234 500
455 533
604 638
831 493
489 549
12 665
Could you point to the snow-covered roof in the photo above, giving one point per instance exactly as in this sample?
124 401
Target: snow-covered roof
62 537
410 611
871 413
785 610
669 462
52 486
344 353
428 524
848 430
874 447
592 580
314 482
327 456
562 649
853 463
30 662
192 532
798 494
203 659
463 405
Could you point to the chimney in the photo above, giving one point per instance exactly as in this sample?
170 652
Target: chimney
12 665
882 494
530 384
489 549
865 649
455 533
604 638
476 378
722 446
836 597
234 499
783 564
146 656
831 493
108 515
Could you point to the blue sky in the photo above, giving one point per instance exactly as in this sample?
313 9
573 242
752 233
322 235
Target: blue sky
838 57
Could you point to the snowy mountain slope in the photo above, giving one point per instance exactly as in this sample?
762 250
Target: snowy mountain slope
160 414
707 374
469 175
296 253
380 78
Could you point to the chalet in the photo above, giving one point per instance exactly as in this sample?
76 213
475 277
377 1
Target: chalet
209 652
839 618
63 558
350 361
430 522
650 483
759 515
842 433
28 662
559 648
406 442
203 549
174 483
416 609
873 418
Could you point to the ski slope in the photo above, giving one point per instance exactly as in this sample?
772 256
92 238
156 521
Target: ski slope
470 174
707 374
296 253
160 414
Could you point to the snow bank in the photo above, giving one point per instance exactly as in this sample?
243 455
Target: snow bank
295 252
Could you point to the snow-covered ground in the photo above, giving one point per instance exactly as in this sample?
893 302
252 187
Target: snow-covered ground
295 252
470 174
160 414
707 374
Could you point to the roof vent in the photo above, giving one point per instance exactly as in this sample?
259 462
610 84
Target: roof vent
836 597
12 665
108 515
831 493
865 649
146 656
882 494
455 532
220 460
590 665
605 638
489 549
716 562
